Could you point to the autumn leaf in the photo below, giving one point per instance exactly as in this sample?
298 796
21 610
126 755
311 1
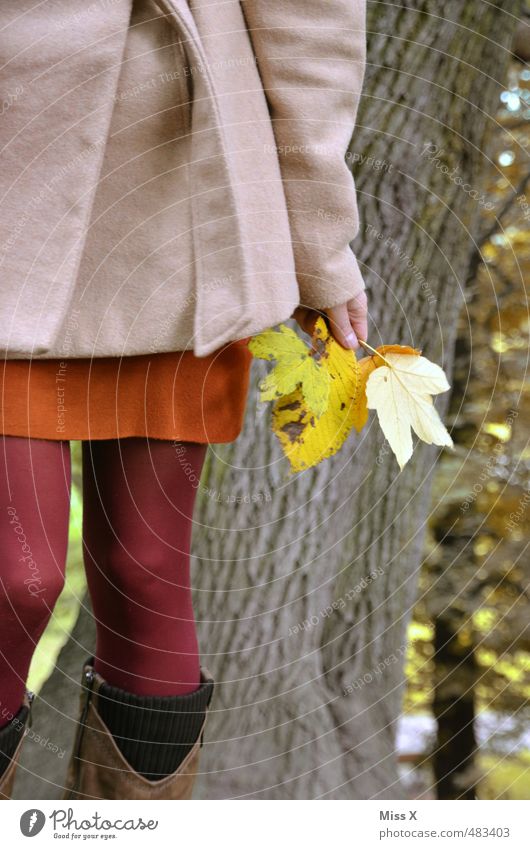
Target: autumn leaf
296 368
306 439
367 365
400 391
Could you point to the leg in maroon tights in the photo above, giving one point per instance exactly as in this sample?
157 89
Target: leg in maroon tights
35 479
138 498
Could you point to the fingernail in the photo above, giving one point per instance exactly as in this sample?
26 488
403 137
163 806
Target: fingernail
351 339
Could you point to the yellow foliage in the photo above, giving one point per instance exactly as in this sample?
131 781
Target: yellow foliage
305 438
296 367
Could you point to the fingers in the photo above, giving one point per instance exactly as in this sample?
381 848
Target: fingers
341 326
358 312
348 322
306 318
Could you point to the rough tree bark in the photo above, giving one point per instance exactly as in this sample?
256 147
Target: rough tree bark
49 742
308 663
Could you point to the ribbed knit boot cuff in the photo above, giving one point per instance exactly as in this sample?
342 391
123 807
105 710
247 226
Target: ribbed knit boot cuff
154 733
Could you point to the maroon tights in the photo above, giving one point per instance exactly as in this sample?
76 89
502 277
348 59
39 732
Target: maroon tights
137 520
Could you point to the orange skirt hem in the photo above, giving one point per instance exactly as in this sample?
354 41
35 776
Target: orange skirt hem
171 395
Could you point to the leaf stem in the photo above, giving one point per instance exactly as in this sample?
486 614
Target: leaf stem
369 348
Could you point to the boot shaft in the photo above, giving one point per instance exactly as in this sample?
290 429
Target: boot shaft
97 768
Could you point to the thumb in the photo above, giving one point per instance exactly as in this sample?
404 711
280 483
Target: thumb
340 326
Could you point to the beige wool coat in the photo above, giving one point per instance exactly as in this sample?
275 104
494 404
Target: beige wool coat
173 173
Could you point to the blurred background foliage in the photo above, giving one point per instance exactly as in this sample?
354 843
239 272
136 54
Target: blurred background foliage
466 706
469 661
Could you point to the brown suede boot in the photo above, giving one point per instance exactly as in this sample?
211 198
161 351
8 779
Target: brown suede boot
97 767
7 778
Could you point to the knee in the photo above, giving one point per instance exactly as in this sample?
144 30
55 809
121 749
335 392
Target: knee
141 571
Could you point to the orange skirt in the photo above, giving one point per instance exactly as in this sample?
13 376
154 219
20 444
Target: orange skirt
171 395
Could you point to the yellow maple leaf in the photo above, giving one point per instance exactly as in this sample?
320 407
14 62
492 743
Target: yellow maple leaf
296 368
305 438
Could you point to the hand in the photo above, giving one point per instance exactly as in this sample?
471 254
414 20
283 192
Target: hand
347 321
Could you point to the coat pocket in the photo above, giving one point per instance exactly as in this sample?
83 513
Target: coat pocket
177 66
185 70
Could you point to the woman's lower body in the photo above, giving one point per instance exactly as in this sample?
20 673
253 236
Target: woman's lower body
137 519
138 499
144 423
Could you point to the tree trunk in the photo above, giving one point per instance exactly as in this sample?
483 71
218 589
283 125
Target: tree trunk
454 756
46 750
305 584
